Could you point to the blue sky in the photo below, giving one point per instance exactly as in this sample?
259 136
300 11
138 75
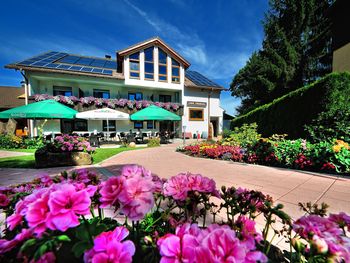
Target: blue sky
217 37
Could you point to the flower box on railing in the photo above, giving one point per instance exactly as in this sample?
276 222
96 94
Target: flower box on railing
92 102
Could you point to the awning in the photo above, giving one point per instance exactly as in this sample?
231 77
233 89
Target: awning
154 113
46 109
103 114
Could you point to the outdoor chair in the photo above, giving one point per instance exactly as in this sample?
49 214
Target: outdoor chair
131 138
112 135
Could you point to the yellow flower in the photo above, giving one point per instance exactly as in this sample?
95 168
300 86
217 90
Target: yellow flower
337 148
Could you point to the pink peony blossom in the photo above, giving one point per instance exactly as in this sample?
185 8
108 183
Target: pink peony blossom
66 204
110 247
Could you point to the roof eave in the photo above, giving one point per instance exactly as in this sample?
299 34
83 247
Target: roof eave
17 67
207 87
155 40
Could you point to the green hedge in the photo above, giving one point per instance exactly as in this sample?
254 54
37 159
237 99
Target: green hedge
291 112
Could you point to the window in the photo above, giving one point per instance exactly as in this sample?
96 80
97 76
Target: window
135 96
162 66
150 125
164 98
138 125
149 64
111 125
134 64
175 71
80 125
63 91
104 94
196 114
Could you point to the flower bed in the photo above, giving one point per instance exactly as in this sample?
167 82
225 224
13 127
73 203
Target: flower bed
63 218
330 157
110 103
64 150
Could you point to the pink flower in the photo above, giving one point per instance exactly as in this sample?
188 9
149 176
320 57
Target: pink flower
17 217
8 245
177 187
110 191
66 204
129 171
4 201
213 244
46 180
342 219
110 247
136 197
48 257
38 212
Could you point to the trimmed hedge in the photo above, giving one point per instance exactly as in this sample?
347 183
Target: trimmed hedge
291 112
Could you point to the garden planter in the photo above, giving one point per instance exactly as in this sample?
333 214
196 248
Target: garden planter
45 158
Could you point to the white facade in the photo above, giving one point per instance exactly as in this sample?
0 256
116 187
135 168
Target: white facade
41 82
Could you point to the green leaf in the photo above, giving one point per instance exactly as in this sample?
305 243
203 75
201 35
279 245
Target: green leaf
27 244
79 248
63 238
40 251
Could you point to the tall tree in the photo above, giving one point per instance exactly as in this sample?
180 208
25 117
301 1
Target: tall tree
295 51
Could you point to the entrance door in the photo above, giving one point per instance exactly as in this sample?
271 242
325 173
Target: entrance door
215 127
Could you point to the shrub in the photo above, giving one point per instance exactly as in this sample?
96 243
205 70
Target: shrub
30 143
67 143
153 142
10 141
243 136
291 112
330 125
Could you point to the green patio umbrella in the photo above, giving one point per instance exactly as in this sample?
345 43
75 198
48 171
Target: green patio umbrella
46 109
154 113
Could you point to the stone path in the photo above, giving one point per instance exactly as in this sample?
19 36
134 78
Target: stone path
5 154
285 186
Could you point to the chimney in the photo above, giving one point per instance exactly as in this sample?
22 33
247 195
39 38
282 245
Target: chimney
108 56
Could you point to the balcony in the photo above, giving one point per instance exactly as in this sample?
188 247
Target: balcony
89 103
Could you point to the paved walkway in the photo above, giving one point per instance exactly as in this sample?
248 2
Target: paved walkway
285 186
5 154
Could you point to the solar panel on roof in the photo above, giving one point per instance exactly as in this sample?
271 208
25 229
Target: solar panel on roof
64 61
111 64
199 79
69 59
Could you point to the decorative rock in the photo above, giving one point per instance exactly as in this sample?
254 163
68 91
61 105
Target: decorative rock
132 145
43 158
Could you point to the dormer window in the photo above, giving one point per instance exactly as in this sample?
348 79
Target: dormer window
162 66
175 71
134 62
149 64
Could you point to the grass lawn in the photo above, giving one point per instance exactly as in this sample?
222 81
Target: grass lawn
28 161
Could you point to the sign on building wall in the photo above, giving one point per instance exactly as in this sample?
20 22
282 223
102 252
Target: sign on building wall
198 104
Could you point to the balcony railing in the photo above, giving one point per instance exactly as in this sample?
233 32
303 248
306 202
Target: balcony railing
86 103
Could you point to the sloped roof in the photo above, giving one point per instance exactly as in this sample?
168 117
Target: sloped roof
149 42
196 80
61 62
9 97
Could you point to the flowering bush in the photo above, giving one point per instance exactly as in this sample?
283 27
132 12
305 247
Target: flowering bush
331 157
137 216
110 103
68 143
